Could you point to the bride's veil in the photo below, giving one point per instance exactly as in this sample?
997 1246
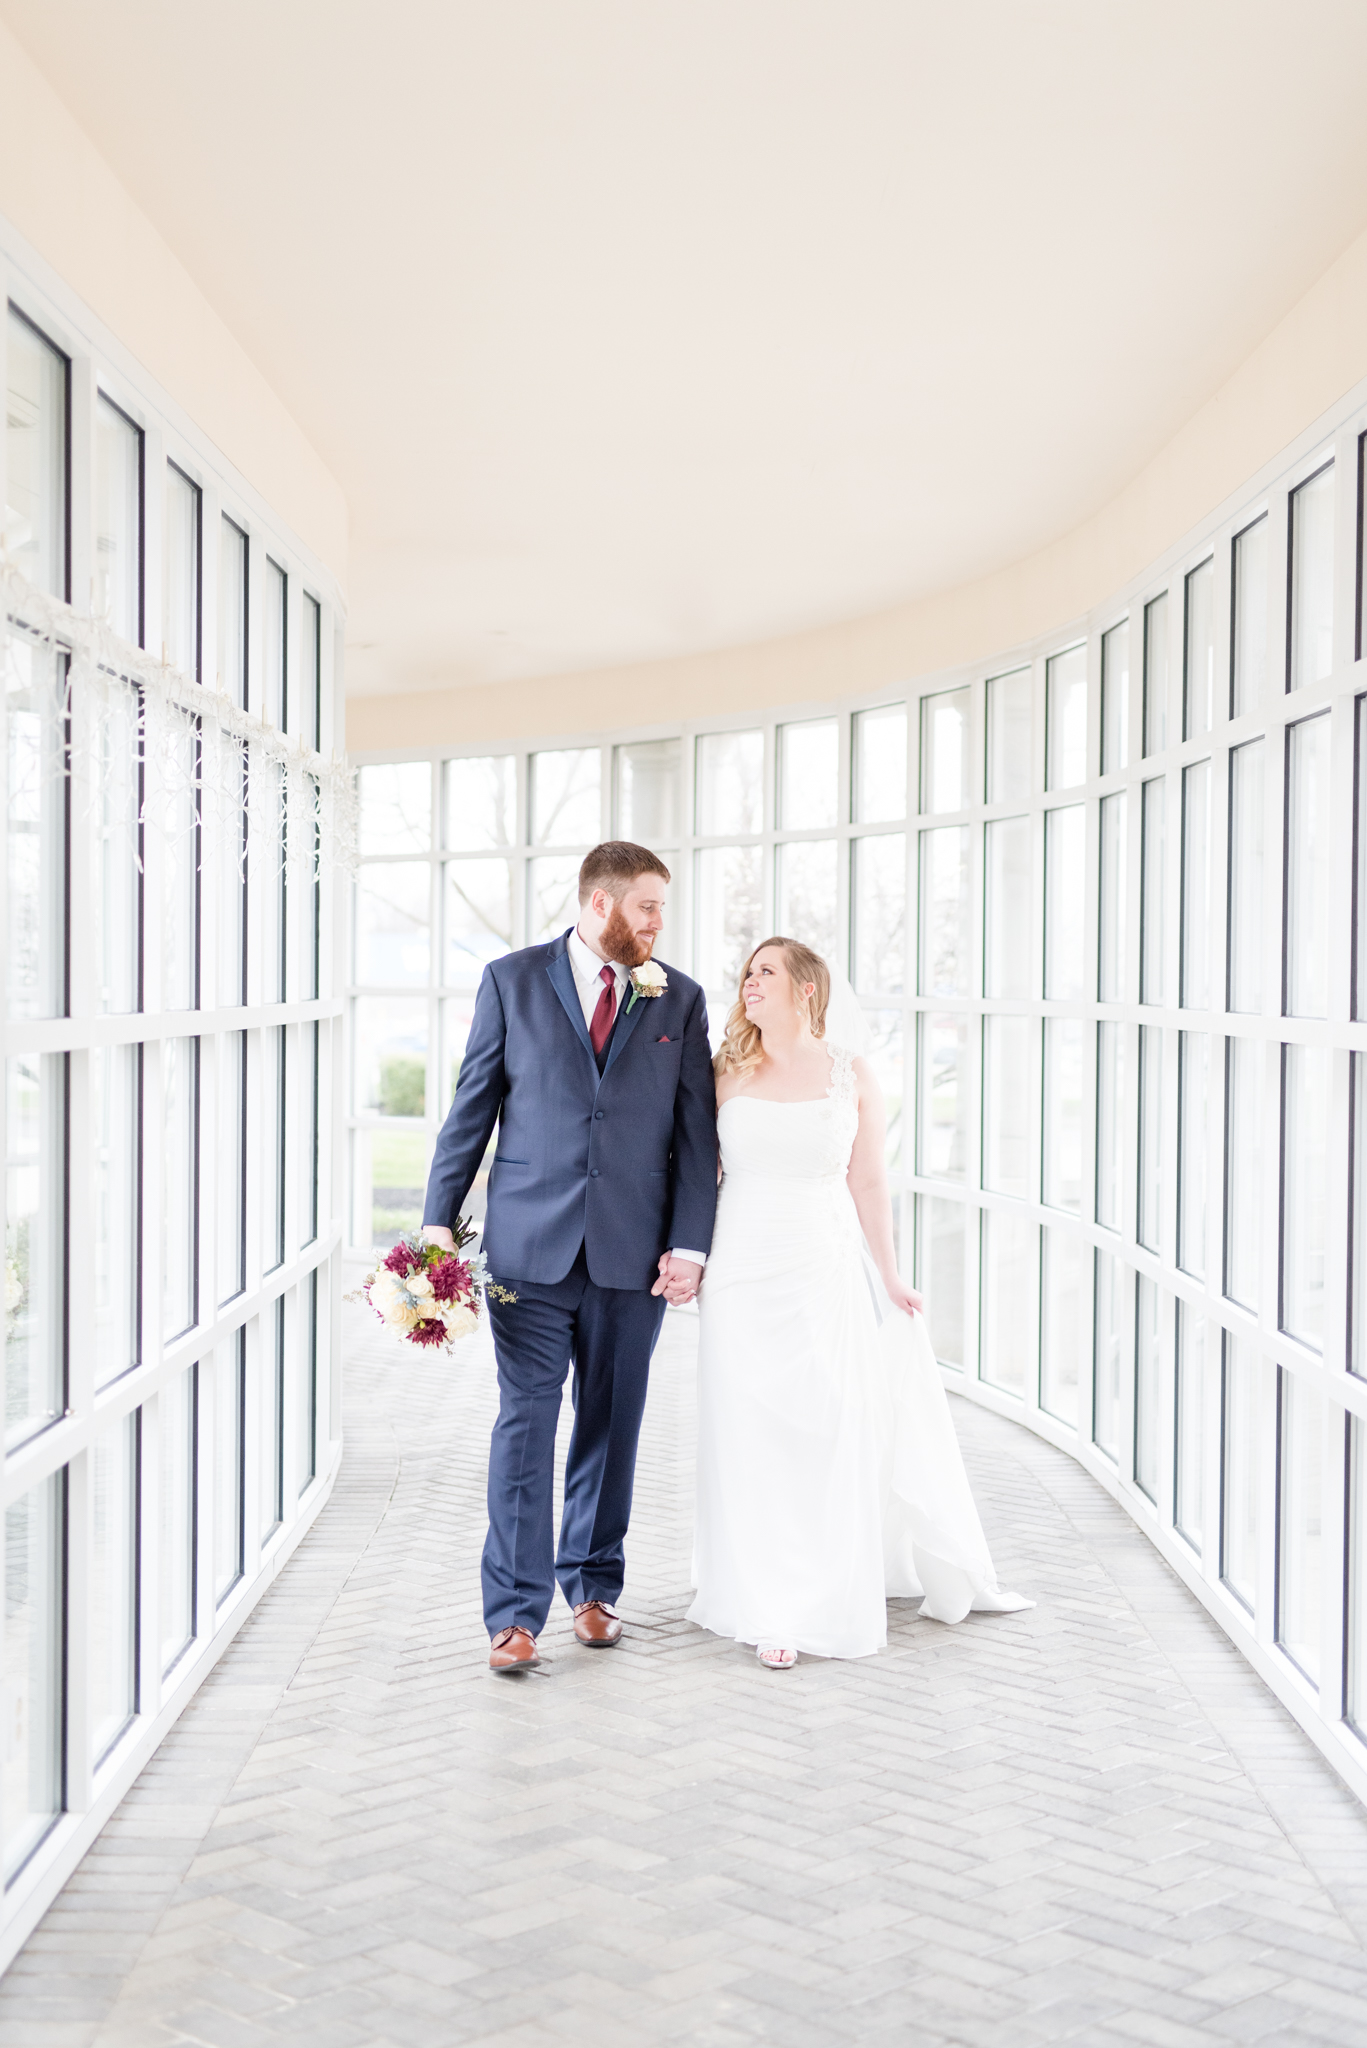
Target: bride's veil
846 1024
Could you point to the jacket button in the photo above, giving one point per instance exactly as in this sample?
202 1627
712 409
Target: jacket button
593 1173
598 1116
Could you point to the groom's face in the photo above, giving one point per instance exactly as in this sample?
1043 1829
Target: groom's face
634 921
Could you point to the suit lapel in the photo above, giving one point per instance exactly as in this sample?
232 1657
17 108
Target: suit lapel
626 1024
563 982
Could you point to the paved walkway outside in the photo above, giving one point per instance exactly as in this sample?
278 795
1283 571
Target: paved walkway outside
1087 1823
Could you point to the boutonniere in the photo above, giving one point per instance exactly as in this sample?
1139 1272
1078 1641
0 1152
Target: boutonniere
649 980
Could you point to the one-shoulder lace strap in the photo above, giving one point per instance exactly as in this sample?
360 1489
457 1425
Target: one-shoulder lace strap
841 1089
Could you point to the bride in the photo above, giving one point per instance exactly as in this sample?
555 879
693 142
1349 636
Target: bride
829 1475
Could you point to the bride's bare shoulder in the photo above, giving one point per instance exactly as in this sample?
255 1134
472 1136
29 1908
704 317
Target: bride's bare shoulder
728 1084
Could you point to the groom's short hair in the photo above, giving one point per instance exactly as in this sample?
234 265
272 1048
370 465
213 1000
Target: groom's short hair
615 865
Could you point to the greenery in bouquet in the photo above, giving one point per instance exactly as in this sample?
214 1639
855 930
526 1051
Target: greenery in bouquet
428 1294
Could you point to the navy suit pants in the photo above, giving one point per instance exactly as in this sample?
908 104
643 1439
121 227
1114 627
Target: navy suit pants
608 1334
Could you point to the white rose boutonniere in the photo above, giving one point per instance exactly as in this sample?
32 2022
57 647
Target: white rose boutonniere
650 980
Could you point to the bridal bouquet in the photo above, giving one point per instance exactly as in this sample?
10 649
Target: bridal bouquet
428 1294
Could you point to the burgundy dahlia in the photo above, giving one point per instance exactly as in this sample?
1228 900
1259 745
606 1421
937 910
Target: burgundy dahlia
402 1260
450 1279
429 1331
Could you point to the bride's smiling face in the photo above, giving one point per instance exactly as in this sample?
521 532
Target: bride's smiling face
769 992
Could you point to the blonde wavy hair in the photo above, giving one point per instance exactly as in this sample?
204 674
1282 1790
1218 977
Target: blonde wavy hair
742 1048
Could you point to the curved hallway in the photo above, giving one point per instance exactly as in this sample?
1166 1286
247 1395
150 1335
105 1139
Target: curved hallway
1089 1822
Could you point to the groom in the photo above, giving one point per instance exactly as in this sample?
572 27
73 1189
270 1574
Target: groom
594 1062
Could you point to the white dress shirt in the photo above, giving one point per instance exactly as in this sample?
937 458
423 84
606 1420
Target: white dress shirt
588 979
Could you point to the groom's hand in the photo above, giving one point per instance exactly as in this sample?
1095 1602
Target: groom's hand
678 1281
437 1233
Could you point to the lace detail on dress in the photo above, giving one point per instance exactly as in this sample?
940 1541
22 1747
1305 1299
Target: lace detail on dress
841 1091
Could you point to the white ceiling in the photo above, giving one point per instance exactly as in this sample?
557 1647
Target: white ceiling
636 327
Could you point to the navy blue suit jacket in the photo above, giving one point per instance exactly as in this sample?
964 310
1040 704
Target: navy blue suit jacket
624 1163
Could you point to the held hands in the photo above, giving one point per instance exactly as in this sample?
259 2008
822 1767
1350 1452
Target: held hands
678 1281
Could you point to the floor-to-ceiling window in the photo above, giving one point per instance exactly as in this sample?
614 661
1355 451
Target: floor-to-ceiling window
1105 903
169 1044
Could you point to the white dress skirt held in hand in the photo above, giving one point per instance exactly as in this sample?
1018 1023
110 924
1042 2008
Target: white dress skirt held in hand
829 1474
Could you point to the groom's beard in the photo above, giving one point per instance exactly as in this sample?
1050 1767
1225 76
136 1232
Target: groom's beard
619 942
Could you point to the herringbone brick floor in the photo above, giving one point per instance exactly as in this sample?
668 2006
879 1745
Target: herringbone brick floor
1087 1823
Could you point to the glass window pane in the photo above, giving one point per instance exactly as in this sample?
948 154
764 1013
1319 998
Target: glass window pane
879 895
1150 1135
35 1242
274 671
113 808
1357 1250
115 1123
730 783
180 1183
37 817
1066 720
36 456
1360 841
1152 862
1193 1087
112 1607
1010 1291
1108 1360
1009 700
177 769
944 751
232 611
942 1117
567 797
312 889
1063 1113
1310 655
1306 1076
396 807
273 1110
1110 1100
479 918
116 585
807 893
1147 1372
482 803
229 1444
1308 889
552 896
880 765
1156 675
1065 884
230 1165
1111 947
1243 1171
310 712
306 1384
1356 1688
391 1181
177 1429
1066 1260
180 573
945 921
272 1438
1008 908
1248 662
1300 1544
305 1126
35 1574
730 907
1115 698
1196 886
1198 652
940 1273
393 929
1010 1083
885 1058
649 805
1246 906
808 772
391 1055
1189 1488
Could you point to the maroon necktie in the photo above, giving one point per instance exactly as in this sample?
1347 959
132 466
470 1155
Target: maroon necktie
600 1029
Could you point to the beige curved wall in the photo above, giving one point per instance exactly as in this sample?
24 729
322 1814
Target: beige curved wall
67 204
1306 365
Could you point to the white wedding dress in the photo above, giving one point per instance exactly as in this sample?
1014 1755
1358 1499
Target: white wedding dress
829 1474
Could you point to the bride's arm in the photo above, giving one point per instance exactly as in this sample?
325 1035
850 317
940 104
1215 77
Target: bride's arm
867 1179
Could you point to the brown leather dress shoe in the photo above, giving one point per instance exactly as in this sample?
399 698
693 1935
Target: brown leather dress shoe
513 1649
597 1625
